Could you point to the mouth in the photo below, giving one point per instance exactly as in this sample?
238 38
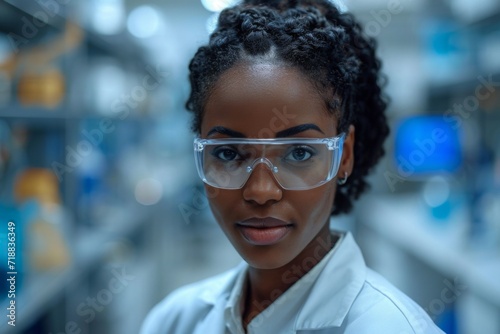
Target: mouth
264 231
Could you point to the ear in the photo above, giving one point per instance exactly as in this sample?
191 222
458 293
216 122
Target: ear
347 162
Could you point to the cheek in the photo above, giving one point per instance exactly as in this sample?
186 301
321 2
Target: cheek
316 205
221 201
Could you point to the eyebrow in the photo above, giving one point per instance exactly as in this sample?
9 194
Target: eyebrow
225 131
284 133
297 129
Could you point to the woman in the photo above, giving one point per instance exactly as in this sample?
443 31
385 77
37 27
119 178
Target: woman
290 119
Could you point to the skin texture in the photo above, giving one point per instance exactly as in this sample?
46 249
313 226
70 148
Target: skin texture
248 98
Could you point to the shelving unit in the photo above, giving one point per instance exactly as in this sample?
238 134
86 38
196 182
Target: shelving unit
440 247
406 222
48 300
40 291
398 233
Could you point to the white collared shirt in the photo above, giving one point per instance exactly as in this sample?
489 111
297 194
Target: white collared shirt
339 295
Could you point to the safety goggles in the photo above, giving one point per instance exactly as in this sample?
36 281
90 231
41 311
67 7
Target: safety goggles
296 163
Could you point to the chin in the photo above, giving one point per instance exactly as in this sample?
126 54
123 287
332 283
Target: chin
264 257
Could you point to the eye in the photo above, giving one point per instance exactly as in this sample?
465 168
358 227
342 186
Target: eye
225 154
299 153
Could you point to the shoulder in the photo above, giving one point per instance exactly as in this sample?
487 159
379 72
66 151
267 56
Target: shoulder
184 307
388 310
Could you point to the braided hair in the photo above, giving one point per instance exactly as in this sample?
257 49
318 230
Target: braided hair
327 46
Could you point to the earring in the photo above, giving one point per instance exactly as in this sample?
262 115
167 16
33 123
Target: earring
343 180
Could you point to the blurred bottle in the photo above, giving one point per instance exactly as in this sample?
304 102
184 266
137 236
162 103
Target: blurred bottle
37 192
484 199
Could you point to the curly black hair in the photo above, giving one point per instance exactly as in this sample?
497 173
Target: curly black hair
329 47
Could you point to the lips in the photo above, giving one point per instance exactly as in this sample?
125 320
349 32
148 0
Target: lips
264 231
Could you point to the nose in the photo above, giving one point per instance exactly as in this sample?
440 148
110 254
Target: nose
261 187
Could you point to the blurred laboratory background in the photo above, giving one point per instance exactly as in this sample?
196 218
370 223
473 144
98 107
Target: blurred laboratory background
97 170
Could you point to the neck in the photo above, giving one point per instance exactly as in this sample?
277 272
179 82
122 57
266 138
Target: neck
264 286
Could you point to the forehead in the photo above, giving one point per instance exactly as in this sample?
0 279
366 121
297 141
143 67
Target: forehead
261 99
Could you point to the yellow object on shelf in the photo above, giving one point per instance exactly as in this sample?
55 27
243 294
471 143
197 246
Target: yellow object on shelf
41 80
47 248
37 183
43 88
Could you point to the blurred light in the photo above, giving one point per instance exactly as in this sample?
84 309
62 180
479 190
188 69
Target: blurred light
143 22
148 191
106 86
94 163
108 16
340 5
436 191
217 5
473 10
212 22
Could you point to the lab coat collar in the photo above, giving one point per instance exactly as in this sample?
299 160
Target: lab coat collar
224 284
344 274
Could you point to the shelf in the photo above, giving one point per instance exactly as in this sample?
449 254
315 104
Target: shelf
35 112
40 290
39 114
406 222
120 46
13 15
465 84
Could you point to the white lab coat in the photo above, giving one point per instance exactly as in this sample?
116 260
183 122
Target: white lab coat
339 295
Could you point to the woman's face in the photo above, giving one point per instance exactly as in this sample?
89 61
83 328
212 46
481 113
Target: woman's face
259 101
